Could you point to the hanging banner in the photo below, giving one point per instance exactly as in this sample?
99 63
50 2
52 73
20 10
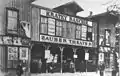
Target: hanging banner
23 53
12 53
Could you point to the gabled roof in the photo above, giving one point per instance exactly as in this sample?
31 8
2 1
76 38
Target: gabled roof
110 17
104 14
70 5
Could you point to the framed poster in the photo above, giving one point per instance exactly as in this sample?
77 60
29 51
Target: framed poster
51 26
107 37
12 53
23 53
84 32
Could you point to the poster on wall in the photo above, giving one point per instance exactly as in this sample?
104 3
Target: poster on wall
84 32
51 26
23 53
12 53
107 37
47 54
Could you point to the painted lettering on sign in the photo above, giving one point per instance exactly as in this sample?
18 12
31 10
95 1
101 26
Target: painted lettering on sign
63 17
51 39
56 15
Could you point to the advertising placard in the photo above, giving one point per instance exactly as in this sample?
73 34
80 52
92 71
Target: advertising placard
84 32
23 53
12 53
47 54
101 56
86 56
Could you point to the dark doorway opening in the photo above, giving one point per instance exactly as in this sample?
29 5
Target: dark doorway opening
68 59
37 59
80 60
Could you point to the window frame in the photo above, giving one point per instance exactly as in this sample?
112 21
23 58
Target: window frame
17 26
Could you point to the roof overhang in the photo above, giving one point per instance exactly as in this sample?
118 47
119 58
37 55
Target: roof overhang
70 5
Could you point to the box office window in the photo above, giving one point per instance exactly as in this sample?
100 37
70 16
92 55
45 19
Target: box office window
43 26
59 28
12 20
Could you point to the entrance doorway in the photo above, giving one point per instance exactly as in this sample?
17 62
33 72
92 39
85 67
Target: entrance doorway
80 60
68 59
37 59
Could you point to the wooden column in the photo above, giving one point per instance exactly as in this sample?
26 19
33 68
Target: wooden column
74 50
61 49
47 46
2 32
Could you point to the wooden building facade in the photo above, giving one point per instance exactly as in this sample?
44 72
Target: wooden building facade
30 34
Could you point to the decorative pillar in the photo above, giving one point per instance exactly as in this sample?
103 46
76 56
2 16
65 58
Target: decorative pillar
61 49
86 51
29 58
47 46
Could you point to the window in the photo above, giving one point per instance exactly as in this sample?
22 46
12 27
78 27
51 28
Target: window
89 34
78 32
59 28
12 20
43 26
71 30
64 29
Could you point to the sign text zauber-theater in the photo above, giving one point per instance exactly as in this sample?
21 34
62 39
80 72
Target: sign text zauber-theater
62 17
51 39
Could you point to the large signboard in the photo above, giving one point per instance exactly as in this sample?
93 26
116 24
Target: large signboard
7 40
12 53
64 17
52 39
